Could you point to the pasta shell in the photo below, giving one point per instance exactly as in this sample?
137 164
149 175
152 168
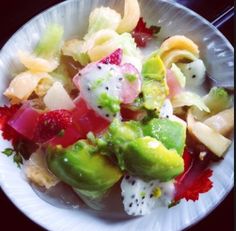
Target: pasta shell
131 16
178 42
36 64
23 85
175 56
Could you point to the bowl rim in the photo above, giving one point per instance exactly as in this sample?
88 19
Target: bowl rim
172 3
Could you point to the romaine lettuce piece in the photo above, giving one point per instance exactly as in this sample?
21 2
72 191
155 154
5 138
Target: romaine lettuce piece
189 99
102 18
216 100
75 49
50 43
128 45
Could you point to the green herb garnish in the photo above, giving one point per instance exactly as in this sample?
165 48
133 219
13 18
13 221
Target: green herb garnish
17 158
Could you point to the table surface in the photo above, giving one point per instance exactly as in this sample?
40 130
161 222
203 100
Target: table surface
15 13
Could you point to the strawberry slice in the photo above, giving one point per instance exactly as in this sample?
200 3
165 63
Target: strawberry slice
52 124
114 58
194 180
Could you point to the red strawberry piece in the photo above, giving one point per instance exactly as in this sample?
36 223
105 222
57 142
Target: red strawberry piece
114 58
52 124
84 120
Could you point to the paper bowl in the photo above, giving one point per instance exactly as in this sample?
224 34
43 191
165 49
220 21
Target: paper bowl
73 16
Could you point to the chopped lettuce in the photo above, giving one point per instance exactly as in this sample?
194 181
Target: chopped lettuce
75 49
128 45
50 43
103 18
216 100
189 99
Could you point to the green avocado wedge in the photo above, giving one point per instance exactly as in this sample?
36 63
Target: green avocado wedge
148 159
119 135
171 134
154 87
82 168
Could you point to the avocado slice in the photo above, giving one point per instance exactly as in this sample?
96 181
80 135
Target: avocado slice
154 87
82 168
171 134
148 159
119 135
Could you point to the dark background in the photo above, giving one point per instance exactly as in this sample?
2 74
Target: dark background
14 13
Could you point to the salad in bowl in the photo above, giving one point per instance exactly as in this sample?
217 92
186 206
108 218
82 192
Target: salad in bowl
118 113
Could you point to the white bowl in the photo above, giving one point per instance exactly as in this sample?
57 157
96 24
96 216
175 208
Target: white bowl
73 15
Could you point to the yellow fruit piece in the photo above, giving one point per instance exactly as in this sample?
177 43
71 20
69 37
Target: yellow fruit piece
178 42
131 16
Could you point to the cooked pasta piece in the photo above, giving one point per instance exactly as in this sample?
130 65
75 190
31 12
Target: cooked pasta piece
175 56
179 42
37 64
24 84
131 16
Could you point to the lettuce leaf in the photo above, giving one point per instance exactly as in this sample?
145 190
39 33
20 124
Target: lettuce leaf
102 18
189 99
